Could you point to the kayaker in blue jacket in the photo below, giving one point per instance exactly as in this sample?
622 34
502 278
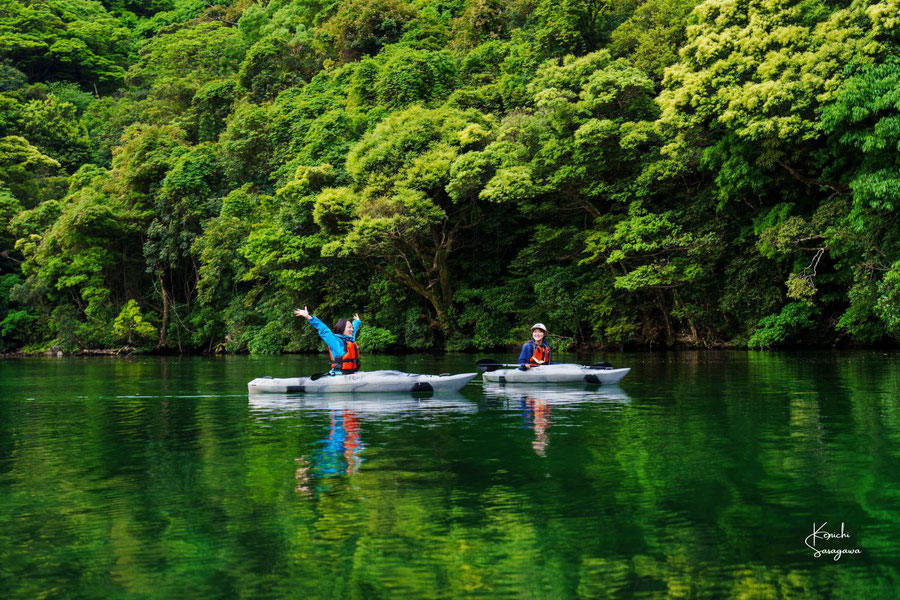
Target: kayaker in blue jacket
342 346
535 352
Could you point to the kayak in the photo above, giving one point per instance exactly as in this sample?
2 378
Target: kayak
362 381
560 373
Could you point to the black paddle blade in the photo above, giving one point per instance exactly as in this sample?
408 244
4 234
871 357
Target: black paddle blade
318 376
488 364
601 365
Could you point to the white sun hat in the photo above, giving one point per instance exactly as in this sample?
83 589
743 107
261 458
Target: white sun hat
539 326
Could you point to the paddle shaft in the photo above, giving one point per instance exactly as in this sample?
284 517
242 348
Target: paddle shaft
489 364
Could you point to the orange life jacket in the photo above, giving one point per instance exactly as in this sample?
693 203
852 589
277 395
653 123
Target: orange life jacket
349 362
541 353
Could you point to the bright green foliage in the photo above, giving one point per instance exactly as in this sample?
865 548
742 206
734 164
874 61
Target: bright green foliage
375 339
105 121
11 79
53 127
76 39
70 93
793 321
660 172
163 13
401 218
210 107
182 204
90 253
571 26
760 71
24 170
272 64
652 36
866 117
245 145
131 325
404 76
484 20
142 161
19 322
197 52
361 27
652 250
887 306
175 64
9 208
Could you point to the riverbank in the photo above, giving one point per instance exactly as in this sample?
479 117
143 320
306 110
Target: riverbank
583 349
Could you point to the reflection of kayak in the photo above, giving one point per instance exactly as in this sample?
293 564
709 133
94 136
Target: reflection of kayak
387 403
362 381
555 394
561 373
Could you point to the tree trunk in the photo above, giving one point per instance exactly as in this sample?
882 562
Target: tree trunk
670 338
165 316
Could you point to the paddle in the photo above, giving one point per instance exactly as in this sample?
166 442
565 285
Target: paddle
489 364
318 376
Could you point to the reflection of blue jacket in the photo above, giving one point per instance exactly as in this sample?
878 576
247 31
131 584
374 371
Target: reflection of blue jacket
528 351
333 458
336 341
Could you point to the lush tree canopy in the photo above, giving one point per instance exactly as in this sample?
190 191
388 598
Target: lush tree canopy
179 175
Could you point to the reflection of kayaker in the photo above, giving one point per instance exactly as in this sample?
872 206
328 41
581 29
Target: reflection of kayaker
353 445
340 452
342 446
536 415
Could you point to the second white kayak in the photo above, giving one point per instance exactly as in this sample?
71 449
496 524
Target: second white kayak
560 373
362 381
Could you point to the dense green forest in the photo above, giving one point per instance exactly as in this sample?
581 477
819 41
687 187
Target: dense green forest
179 175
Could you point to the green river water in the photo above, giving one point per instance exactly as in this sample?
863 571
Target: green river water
703 475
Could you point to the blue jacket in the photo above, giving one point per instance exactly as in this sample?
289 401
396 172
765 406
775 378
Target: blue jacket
337 342
528 351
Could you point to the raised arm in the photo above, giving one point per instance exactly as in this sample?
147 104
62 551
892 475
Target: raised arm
334 344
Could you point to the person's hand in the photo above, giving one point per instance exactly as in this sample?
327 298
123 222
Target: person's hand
356 316
302 312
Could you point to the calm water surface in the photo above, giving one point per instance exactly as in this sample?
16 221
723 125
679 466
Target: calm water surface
701 476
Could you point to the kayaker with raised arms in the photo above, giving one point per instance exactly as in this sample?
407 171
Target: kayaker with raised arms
342 346
535 352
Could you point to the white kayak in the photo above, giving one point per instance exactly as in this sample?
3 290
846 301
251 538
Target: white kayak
559 373
362 381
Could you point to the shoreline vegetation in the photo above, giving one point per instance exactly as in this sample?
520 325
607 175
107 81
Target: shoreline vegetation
177 176
591 349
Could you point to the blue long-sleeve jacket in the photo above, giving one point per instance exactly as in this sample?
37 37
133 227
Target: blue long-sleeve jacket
336 341
528 351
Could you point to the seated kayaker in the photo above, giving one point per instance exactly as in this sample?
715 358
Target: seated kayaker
535 352
342 346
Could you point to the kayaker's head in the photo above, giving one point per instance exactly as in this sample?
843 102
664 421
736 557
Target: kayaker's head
538 331
344 327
